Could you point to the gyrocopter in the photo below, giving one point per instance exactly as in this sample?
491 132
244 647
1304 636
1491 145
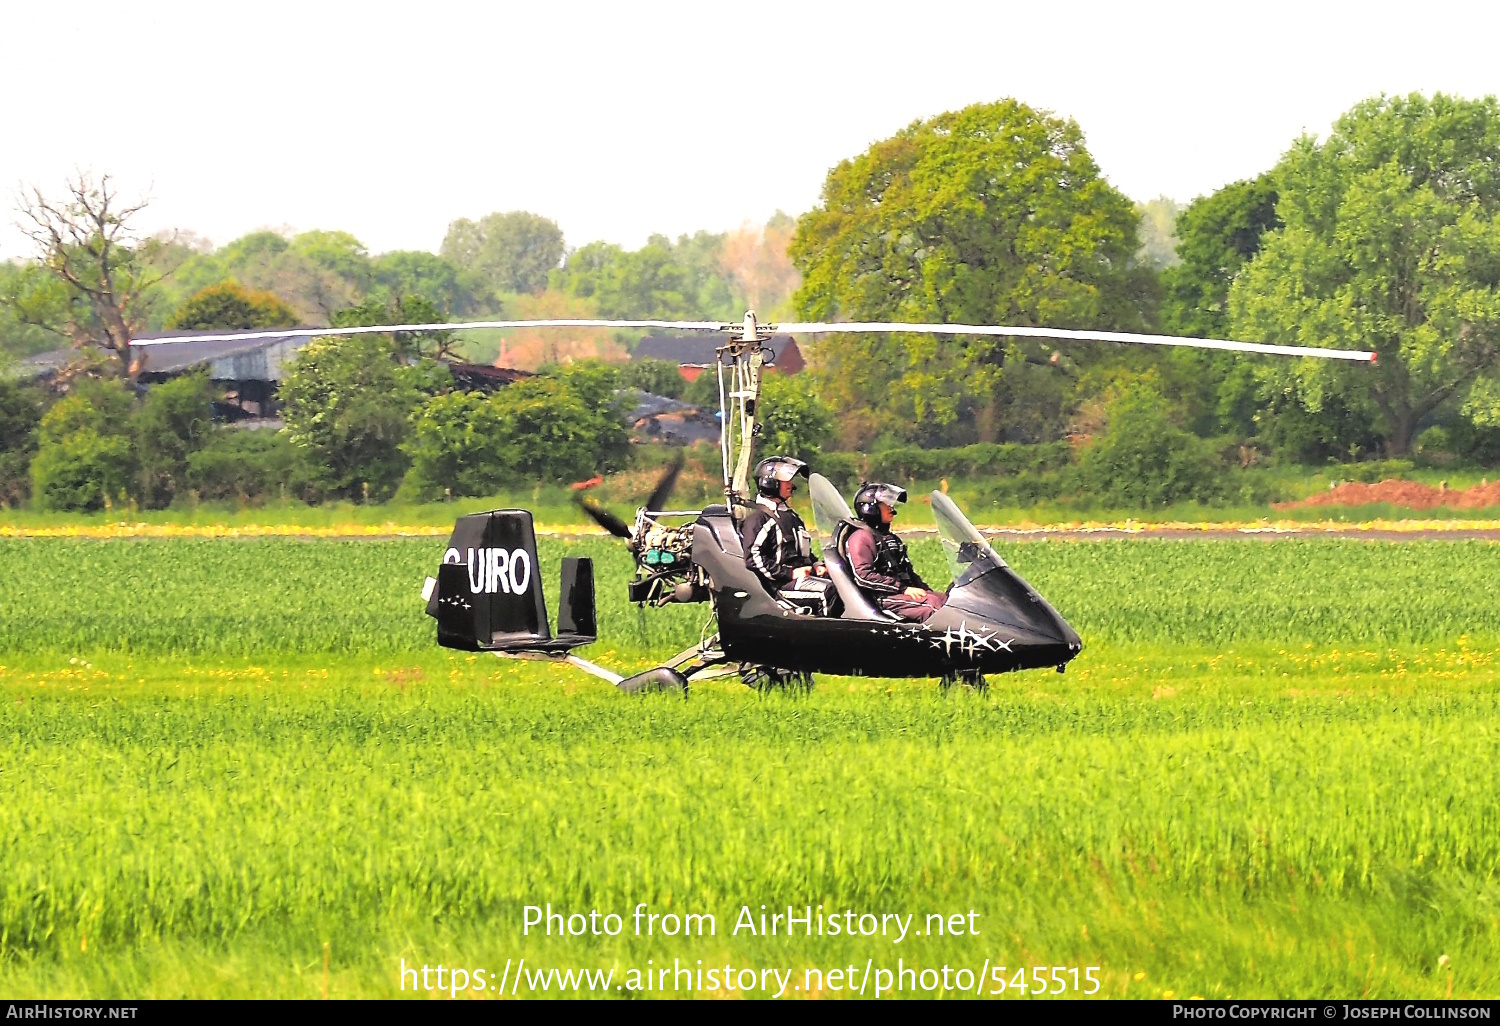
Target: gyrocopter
487 593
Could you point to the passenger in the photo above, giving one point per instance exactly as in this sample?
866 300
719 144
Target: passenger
877 559
777 546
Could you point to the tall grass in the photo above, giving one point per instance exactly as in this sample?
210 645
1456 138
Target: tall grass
271 597
1272 772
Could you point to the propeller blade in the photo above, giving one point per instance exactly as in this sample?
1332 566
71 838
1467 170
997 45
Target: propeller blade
657 500
604 518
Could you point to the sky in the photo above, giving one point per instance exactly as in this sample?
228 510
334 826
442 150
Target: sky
622 119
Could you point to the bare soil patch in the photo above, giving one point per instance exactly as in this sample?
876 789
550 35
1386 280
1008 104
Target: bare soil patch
1410 494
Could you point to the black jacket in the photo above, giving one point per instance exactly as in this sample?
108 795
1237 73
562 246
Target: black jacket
776 542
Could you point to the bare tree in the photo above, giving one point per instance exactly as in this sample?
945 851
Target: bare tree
87 244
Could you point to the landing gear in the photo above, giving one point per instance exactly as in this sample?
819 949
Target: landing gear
968 678
662 678
770 678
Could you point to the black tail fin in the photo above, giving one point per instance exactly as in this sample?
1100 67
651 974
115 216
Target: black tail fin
575 615
488 593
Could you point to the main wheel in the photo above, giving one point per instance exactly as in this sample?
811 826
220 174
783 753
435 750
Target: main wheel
968 678
768 678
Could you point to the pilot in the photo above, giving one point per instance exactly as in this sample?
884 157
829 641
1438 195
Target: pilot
877 558
777 546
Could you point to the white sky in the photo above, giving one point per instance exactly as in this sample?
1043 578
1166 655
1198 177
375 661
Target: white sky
620 119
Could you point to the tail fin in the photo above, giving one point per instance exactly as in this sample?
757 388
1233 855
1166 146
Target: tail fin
488 592
575 616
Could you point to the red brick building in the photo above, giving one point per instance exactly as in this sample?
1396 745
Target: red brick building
695 353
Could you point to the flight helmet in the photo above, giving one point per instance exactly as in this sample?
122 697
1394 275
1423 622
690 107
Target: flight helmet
871 495
771 471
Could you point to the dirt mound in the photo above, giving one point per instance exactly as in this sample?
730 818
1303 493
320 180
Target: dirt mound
1401 493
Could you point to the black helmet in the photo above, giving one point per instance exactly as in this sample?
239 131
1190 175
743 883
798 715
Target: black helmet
770 472
870 497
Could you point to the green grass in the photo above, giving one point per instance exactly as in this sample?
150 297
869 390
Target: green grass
1271 772
270 597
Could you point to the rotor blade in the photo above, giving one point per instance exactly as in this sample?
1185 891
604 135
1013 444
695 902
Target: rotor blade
1025 331
657 500
809 328
604 518
557 322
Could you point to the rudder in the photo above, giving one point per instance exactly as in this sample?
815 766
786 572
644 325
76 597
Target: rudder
488 592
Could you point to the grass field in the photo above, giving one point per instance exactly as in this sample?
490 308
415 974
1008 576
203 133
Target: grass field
1271 772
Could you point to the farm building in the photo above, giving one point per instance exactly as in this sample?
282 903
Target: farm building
694 353
248 371
656 418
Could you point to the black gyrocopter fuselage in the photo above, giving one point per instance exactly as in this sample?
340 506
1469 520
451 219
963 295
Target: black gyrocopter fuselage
488 597
993 621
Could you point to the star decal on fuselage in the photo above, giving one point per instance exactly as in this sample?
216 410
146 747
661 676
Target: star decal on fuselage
969 643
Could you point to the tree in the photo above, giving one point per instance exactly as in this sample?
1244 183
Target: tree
87 243
755 260
1216 236
1158 231
658 377
554 429
229 306
593 273
510 252
710 291
594 382
450 290
456 448
243 465
409 345
563 425
1391 242
992 214
1143 459
20 413
172 423
678 281
702 391
320 273
531 348
794 421
339 253
85 457
316 273
24 289
347 402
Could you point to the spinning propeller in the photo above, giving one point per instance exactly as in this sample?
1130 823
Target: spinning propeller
655 502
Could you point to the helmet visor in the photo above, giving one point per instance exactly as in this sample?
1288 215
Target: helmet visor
782 468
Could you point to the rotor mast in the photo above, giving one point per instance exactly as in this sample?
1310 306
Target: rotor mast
739 365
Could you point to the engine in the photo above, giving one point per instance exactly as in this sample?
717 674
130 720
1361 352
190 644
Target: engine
664 570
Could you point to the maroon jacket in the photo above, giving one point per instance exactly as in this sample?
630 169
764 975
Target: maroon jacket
878 563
